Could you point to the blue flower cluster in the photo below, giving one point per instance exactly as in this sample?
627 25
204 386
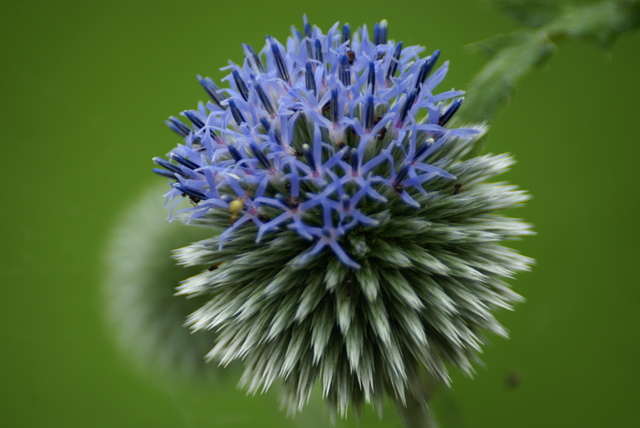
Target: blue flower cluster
312 133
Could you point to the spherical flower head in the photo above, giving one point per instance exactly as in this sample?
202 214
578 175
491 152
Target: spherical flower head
353 244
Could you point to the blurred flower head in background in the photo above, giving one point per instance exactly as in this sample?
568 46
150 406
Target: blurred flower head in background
353 242
142 311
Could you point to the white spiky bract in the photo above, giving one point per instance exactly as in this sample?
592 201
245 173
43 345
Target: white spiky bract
429 281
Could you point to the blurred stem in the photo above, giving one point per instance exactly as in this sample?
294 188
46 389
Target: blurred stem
417 413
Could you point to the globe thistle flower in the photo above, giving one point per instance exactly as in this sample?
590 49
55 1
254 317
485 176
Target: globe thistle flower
353 245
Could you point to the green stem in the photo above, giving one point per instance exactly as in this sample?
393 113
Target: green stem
416 412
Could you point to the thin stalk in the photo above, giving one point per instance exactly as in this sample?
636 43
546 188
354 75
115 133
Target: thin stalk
416 412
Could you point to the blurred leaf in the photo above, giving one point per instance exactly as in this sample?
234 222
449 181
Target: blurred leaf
602 21
495 82
516 54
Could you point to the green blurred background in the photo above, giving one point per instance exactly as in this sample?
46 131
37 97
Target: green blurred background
84 89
